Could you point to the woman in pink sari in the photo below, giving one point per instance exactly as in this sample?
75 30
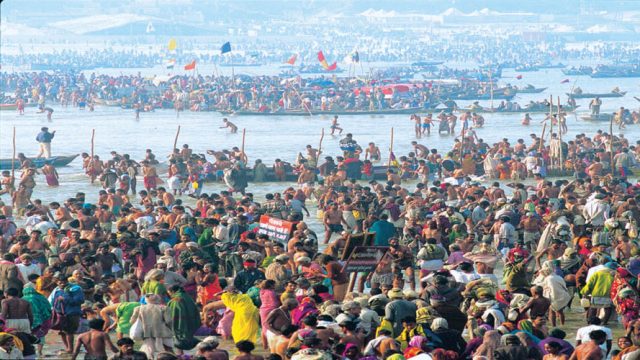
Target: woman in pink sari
270 301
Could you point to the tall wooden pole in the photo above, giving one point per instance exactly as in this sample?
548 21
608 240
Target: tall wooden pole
550 128
613 169
541 145
92 160
462 145
550 115
245 158
175 141
319 148
390 150
560 137
13 159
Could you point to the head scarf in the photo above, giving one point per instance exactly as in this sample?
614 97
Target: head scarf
525 325
417 341
4 336
490 342
439 323
396 357
348 347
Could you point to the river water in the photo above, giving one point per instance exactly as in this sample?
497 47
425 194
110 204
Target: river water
268 138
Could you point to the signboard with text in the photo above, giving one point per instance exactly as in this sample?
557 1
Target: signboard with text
276 229
365 258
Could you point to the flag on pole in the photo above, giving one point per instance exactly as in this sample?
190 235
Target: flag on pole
169 64
190 66
393 161
226 47
325 64
173 44
355 57
519 77
292 60
564 81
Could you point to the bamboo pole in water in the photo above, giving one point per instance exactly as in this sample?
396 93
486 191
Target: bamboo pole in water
175 140
319 148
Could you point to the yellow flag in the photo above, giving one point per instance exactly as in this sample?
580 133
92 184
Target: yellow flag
172 44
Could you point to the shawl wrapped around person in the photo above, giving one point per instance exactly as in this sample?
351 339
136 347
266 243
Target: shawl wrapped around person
555 289
305 308
39 304
246 320
41 310
184 319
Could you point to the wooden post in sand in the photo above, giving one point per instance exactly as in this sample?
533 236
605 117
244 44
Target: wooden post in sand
390 151
175 141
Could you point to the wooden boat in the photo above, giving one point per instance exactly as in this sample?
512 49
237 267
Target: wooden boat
527 68
8 106
599 117
613 94
536 109
497 95
57 161
529 90
328 113
579 71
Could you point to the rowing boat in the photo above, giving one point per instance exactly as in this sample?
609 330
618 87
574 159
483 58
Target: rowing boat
57 161
530 90
613 94
537 109
599 117
8 106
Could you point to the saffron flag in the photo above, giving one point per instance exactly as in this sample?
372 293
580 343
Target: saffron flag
173 44
564 81
190 66
292 60
519 77
226 47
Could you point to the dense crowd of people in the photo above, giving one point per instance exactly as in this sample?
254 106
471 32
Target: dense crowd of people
461 47
471 270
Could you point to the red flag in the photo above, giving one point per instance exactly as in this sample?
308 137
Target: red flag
292 60
519 77
190 66
564 81
332 67
321 56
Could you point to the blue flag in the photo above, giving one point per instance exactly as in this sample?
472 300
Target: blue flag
226 47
